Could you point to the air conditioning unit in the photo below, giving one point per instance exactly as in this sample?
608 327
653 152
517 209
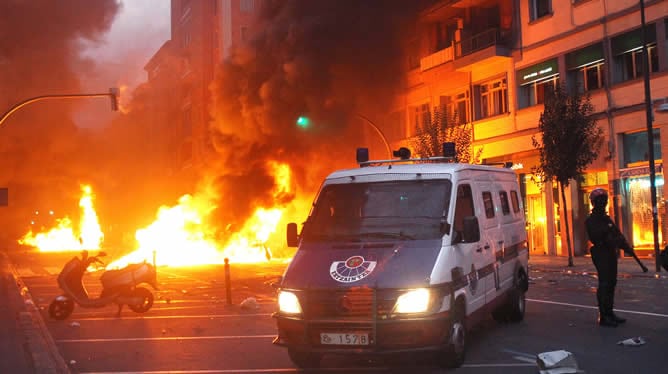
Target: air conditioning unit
662 108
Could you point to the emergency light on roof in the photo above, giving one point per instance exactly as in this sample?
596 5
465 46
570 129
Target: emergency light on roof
404 155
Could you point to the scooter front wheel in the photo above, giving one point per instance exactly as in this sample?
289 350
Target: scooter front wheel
146 300
61 307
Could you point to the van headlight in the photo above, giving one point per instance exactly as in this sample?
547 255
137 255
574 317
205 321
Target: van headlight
288 303
416 301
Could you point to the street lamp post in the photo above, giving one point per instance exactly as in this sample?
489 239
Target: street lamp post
113 94
380 133
650 137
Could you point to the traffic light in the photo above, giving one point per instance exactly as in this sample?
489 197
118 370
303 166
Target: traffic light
303 122
114 93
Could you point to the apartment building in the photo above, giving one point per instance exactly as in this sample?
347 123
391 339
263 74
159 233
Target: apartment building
492 61
202 34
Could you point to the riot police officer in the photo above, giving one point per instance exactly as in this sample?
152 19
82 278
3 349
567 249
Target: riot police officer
607 239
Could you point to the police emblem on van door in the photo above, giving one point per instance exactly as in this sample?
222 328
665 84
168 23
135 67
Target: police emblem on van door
351 270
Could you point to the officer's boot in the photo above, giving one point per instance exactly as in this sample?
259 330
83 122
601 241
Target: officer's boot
617 318
605 316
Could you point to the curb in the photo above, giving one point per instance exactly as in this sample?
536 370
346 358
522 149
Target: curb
42 348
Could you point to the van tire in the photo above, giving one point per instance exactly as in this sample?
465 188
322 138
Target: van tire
304 360
512 310
518 302
455 350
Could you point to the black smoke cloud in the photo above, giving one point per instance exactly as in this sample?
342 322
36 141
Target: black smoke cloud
43 155
329 60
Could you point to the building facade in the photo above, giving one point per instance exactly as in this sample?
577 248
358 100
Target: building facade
492 62
202 34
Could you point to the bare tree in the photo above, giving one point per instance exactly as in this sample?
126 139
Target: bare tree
440 128
570 141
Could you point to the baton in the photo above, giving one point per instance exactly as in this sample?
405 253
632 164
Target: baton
644 268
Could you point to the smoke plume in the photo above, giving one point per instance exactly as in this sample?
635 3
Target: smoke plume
328 60
41 150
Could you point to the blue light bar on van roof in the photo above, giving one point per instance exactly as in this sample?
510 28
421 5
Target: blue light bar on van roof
362 155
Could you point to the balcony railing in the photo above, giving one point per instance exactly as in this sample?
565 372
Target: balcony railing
477 42
437 58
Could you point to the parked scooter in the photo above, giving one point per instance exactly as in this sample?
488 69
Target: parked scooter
118 286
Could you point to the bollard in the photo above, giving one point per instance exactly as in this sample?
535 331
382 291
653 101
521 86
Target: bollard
228 288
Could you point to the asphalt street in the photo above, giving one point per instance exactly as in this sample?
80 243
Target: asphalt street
192 322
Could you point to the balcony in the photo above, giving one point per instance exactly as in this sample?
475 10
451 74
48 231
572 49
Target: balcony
481 49
437 58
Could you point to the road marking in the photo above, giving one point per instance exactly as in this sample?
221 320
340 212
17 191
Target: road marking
167 338
291 370
596 308
208 316
522 356
497 365
283 370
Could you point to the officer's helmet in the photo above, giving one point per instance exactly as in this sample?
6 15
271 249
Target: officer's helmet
598 197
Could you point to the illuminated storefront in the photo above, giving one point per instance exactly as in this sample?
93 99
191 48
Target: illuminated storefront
636 207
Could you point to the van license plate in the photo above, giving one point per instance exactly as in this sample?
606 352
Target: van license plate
344 339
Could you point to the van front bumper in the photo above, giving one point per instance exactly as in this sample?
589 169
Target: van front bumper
384 335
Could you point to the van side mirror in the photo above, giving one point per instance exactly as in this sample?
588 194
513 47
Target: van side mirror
471 229
293 238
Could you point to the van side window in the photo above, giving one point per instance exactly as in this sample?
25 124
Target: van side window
515 200
463 207
489 204
505 206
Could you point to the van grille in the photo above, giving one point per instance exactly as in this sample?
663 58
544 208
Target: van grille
356 302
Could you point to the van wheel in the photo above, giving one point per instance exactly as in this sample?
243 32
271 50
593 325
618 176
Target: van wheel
513 308
304 360
455 350
517 300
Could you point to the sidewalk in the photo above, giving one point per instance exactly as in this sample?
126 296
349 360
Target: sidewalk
627 266
26 346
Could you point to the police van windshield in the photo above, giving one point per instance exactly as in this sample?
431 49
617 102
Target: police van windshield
380 211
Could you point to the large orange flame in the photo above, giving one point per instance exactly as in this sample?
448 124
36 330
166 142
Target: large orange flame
64 237
182 235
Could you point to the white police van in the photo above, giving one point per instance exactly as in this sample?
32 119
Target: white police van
403 255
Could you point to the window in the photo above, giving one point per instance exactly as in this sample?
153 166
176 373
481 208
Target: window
587 78
534 93
627 60
464 207
247 5
635 147
515 201
488 203
491 98
456 107
421 115
630 64
586 68
505 206
539 8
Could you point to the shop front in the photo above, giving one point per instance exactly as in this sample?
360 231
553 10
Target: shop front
635 187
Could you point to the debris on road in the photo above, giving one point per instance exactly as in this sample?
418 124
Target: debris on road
557 362
249 304
632 342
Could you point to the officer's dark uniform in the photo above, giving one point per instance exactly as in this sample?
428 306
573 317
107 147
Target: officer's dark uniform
607 238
